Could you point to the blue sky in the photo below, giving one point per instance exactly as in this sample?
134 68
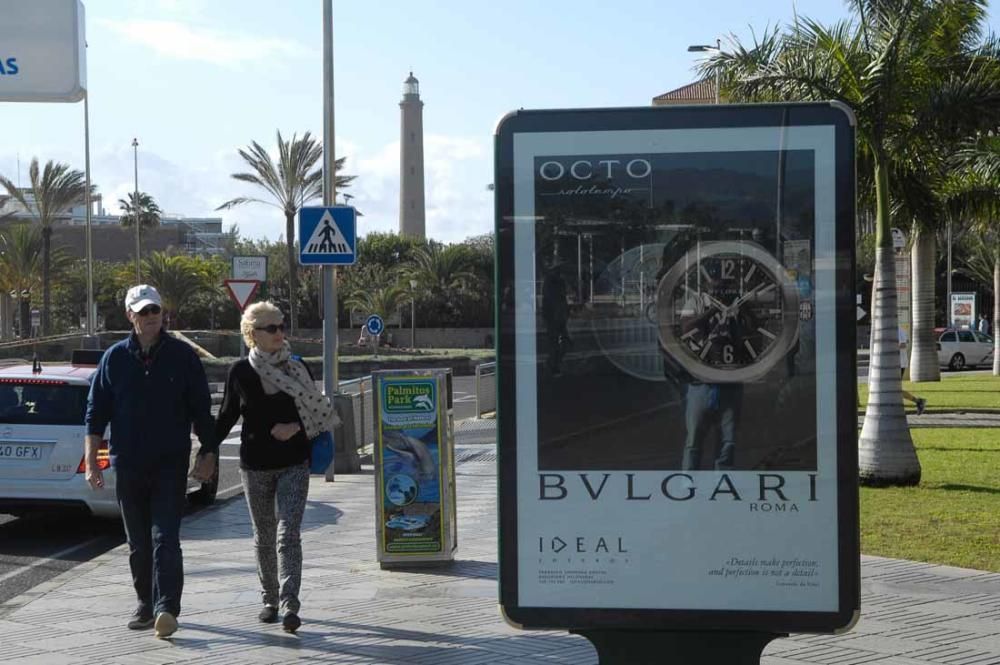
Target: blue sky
196 79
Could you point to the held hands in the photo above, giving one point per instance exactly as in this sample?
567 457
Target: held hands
95 478
285 431
204 467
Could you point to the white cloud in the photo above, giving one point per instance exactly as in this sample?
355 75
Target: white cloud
181 41
456 172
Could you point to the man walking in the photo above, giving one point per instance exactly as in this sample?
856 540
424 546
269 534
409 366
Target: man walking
150 388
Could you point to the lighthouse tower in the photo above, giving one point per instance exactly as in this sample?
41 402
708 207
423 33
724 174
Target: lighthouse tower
411 161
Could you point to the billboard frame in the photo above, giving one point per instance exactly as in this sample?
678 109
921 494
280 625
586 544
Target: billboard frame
580 619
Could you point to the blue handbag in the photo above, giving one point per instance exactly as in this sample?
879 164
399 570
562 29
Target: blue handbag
321 455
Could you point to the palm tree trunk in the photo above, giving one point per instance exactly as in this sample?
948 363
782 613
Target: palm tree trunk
885 449
293 272
923 352
996 313
46 276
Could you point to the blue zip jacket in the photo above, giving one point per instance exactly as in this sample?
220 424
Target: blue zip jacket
151 403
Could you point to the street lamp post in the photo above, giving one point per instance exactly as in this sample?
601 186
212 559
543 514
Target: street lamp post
413 314
135 209
708 48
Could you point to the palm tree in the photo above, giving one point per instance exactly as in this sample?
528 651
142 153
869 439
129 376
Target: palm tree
290 183
886 64
177 278
442 274
374 289
149 211
54 191
21 266
981 160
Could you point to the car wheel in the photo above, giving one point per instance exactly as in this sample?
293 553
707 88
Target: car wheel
957 362
205 495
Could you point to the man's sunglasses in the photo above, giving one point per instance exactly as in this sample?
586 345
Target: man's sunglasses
149 309
272 329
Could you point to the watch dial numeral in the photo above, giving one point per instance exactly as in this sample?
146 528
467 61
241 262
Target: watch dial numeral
727 311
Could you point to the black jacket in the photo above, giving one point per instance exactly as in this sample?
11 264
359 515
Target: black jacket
244 396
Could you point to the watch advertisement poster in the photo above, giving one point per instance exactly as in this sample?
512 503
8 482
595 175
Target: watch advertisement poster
409 469
677 426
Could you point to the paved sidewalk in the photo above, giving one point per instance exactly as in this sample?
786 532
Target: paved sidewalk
353 612
948 419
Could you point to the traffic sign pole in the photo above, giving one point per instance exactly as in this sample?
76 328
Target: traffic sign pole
331 380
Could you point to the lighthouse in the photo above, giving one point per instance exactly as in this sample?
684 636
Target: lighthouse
411 160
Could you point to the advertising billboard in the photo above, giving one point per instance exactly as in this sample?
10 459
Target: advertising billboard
962 310
677 432
43 54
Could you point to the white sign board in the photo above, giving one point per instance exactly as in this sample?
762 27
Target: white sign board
42 51
962 312
898 239
250 267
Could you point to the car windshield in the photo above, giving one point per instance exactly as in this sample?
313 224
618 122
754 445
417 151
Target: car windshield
35 404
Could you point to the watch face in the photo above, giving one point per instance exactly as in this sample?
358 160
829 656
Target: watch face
727 311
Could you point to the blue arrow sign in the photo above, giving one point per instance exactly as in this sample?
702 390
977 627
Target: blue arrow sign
374 324
327 236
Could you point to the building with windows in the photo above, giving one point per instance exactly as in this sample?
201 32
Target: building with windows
197 236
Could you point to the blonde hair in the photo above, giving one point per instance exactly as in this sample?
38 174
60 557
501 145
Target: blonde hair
253 314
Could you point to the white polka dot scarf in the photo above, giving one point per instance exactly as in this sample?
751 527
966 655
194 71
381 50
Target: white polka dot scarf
278 372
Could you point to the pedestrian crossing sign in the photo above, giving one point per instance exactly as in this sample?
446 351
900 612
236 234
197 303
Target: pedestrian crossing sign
327 235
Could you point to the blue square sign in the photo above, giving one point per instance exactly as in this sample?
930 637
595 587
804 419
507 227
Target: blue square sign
327 236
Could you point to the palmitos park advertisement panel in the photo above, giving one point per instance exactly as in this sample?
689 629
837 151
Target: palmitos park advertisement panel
669 326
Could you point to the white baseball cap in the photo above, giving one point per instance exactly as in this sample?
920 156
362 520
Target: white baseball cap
140 296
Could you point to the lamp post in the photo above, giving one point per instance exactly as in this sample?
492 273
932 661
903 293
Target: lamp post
708 48
413 314
135 209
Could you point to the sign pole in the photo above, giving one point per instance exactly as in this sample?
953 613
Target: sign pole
91 312
331 384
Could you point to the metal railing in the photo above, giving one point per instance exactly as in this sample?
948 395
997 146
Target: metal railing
486 388
364 409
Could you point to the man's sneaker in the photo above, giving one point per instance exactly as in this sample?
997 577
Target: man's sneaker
921 405
291 622
268 615
166 625
140 621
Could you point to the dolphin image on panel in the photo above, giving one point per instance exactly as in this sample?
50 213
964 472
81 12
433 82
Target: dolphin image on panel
413 450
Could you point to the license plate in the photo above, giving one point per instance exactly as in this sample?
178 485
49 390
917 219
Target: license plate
20 451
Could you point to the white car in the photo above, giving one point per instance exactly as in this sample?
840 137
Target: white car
42 409
960 348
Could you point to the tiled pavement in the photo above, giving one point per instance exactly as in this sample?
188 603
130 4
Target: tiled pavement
354 612
949 419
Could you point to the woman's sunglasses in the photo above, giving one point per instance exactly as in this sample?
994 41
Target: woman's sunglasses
272 329
149 309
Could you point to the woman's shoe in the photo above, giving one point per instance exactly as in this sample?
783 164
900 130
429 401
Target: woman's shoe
268 614
291 622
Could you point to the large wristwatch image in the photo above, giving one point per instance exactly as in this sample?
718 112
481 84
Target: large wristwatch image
727 311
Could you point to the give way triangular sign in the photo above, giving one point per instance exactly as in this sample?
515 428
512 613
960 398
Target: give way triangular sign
327 238
241 291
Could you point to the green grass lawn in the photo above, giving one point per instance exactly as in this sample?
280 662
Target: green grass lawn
953 516
951 393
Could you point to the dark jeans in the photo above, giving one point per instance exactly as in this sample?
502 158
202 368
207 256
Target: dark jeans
705 404
152 504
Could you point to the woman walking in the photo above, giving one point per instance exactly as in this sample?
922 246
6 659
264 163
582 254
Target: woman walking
282 411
